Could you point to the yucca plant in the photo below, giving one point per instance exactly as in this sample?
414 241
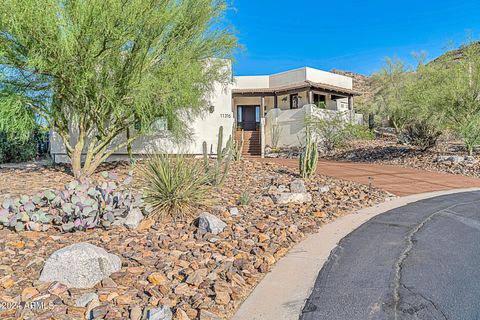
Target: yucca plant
174 185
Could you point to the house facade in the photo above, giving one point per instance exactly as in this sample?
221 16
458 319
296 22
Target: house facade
269 110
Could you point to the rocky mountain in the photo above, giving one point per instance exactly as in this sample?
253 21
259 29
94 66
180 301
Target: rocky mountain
361 82
455 55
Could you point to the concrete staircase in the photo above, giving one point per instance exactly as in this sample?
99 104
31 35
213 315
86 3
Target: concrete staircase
252 145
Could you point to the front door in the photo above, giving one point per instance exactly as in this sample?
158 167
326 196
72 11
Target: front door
249 118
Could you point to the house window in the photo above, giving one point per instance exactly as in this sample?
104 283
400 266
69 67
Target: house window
160 124
294 101
320 100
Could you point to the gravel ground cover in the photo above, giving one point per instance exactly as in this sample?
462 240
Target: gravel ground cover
447 157
178 266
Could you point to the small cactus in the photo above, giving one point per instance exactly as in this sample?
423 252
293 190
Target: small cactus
205 154
238 147
219 170
309 157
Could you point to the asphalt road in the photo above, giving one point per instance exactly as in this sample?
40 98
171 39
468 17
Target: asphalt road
420 261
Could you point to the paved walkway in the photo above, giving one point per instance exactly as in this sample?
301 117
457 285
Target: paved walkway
394 179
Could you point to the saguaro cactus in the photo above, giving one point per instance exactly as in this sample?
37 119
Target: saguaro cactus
219 170
205 154
309 157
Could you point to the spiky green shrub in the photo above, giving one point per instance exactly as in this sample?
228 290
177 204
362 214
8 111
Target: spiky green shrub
422 134
174 185
244 199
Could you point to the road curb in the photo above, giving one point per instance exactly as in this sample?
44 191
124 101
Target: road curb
281 295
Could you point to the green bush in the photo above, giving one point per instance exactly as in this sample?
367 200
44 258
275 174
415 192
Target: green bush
422 134
244 199
13 149
357 131
328 130
174 185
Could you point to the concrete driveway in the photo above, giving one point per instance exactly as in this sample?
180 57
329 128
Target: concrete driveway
394 179
419 261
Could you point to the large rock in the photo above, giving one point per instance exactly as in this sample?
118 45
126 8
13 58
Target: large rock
81 265
298 186
454 159
209 223
290 197
324 189
133 219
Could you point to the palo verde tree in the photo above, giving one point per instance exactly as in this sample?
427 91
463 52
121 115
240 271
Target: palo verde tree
388 86
455 82
101 72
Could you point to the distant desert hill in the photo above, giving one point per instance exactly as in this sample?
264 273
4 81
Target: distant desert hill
361 82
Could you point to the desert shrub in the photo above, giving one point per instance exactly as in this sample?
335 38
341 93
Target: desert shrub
357 131
276 133
13 149
174 185
244 199
469 131
422 134
329 130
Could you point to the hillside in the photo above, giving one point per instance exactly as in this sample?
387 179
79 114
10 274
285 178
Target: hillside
361 82
455 55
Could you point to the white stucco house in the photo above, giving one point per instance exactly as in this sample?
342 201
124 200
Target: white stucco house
260 106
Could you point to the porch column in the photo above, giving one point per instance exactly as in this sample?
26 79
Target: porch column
275 101
234 111
310 96
262 127
262 107
350 108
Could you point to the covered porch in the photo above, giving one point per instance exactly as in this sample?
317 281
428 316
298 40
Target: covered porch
251 105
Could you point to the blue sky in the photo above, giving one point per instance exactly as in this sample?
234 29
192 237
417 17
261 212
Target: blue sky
353 35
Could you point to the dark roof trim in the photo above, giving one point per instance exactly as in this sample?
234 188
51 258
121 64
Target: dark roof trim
295 87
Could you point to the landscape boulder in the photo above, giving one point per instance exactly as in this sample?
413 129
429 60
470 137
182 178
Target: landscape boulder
298 186
289 197
133 219
454 159
233 211
324 189
81 265
209 223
